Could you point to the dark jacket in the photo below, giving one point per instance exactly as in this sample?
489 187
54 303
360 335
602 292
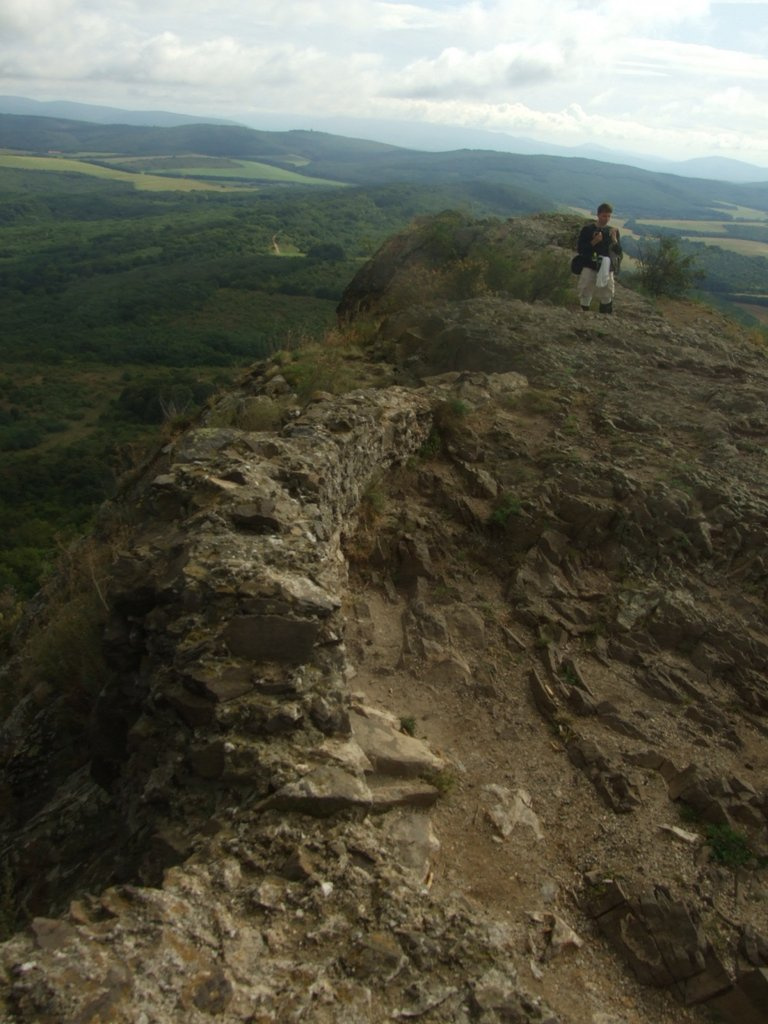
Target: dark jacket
591 254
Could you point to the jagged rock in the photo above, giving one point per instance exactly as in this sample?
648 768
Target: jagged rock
509 809
662 942
716 800
414 841
618 791
556 937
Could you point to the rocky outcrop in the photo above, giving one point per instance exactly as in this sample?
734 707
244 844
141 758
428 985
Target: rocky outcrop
443 698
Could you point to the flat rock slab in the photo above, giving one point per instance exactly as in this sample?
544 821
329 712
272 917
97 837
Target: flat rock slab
323 792
391 752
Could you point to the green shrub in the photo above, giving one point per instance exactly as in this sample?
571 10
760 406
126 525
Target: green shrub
443 780
664 270
374 498
547 279
432 446
408 725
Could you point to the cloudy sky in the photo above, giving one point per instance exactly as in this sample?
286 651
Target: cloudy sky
670 78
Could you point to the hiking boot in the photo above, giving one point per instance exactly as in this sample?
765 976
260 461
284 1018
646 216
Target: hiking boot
606 307
585 308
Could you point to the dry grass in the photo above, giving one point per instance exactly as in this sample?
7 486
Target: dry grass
331 365
61 644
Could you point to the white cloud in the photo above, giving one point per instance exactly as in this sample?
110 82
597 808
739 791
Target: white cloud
484 73
706 62
688 75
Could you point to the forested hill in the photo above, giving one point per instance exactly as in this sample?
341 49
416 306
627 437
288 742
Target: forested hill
65 136
558 181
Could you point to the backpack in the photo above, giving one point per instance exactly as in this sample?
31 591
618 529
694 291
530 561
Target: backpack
577 264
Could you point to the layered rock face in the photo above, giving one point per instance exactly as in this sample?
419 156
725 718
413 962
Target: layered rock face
442 698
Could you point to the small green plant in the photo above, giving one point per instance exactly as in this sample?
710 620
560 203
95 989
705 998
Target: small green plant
443 780
432 446
374 499
507 507
729 847
592 634
570 425
562 726
408 725
598 889
544 638
449 415
568 672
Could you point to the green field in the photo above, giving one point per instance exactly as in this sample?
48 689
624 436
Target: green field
748 213
731 235
142 182
685 227
161 174
744 246
206 167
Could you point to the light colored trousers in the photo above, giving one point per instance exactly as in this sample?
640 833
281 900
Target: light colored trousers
587 286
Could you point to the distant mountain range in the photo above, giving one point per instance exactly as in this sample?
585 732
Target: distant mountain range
436 138
99 115
503 181
405 134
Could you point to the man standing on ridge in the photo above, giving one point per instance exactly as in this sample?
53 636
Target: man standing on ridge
598 240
